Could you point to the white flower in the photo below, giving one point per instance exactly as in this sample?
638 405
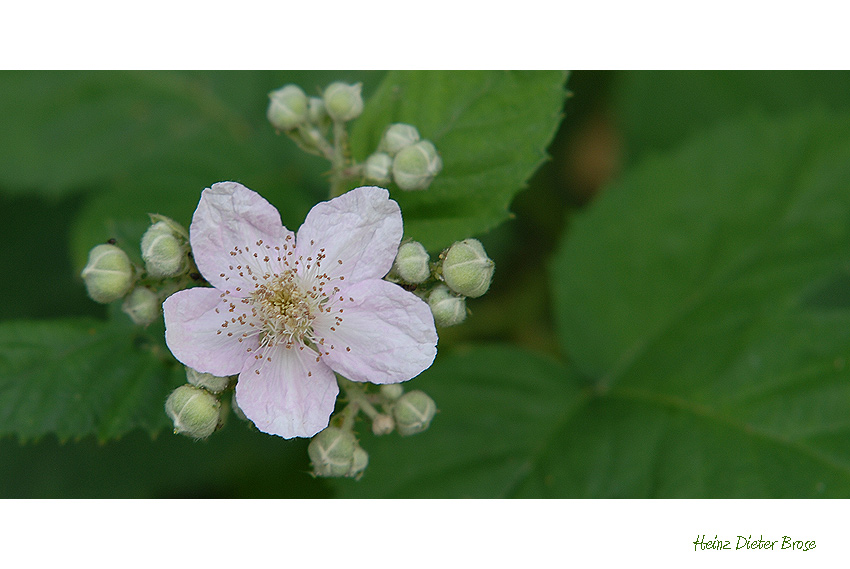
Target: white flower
287 312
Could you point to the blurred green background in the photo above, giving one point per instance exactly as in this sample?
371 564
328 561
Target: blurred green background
612 121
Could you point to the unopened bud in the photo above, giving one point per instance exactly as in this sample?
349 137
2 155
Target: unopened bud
398 136
162 251
332 453
288 107
343 102
377 168
194 411
382 425
447 308
467 269
415 166
411 263
208 381
108 274
413 412
142 306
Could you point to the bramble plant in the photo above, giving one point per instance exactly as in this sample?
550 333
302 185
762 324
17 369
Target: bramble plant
313 284
286 320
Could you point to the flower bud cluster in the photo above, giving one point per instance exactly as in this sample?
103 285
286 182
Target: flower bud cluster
196 408
166 266
291 108
408 413
335 452
462 271
466 272
403 158
306 119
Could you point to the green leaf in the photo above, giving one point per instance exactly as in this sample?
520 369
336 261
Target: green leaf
705 296
659 109
491 129
705 305
73 129
498 433
67 130
79 377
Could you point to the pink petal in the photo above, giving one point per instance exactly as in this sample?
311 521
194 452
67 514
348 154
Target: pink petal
387 334
231 216
192 329
361 228
292 396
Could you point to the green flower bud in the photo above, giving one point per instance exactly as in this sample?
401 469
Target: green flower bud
108 274
413 412
411 263
162 251
142 306
448 308
332 453
467 269
415 166
288 107
194 411
208 381
377 168
343 102
382 425
392 391
398 136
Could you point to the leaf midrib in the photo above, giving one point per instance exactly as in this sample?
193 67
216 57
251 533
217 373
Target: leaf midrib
603 390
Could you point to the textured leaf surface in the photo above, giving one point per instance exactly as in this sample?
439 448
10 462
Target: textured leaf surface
82 377
491 129
72 129
66 130
706 296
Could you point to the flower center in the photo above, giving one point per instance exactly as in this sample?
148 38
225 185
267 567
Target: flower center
284 309
289 302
